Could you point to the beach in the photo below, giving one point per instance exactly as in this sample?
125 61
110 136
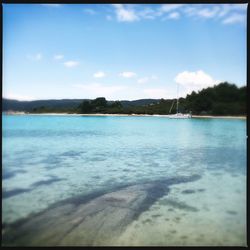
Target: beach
125 115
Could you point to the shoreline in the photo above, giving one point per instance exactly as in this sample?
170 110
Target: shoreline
221 117
140 115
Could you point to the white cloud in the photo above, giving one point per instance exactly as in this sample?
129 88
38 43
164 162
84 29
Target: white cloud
201 10
174 15
190 11
143 80
195 80
242 6
36 57
52 5
147 79
232 8
94 90
208 12
90 11
71 64
234 18
127 74
58 57
156 93
232 13
154 77
99 74
109 18
131 13
124 14
225 8
169 7
19 97
147 13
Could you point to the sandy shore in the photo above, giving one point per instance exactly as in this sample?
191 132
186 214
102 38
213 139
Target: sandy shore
99 114
223 117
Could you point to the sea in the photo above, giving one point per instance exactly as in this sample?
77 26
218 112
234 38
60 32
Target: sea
47 160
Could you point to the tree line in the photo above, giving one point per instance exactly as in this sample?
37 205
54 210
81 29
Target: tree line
222 99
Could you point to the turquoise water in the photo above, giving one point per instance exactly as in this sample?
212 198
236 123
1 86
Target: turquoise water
50 158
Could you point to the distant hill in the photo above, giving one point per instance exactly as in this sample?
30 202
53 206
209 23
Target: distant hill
63 104
222 99
15 105
141 102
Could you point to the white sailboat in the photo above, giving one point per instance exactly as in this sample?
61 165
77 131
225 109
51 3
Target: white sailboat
178 115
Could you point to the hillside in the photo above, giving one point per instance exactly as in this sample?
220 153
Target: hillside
28 106
222 99
62 105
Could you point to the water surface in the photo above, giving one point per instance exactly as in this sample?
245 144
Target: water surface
47 159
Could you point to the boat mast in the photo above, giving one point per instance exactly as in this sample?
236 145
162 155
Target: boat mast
177 106
171 107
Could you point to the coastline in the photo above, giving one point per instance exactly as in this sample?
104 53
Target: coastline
220 117
142 115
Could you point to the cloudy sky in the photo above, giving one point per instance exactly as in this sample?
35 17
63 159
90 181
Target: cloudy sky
121 51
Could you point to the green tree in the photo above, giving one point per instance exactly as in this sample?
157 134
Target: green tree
99 102
85 107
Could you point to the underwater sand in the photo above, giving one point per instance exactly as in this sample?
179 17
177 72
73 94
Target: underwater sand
203 215
58 171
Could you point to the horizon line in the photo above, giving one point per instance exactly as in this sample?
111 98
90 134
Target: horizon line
59 99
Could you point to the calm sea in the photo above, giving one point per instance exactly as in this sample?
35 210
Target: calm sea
47 159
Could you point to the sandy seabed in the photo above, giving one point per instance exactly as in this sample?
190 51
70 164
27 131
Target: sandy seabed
181 211
200 213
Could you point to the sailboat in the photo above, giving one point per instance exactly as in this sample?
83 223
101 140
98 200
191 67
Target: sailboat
178 115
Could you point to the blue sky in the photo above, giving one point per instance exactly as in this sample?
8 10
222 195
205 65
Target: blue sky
121 51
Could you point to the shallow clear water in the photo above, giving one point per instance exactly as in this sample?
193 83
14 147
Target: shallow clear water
49 158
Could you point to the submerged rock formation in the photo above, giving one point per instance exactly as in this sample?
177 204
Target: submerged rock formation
88 222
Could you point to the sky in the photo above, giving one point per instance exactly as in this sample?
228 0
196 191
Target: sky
121 51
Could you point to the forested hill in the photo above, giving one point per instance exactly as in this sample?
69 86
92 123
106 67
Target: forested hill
222 99
63 105
29 106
